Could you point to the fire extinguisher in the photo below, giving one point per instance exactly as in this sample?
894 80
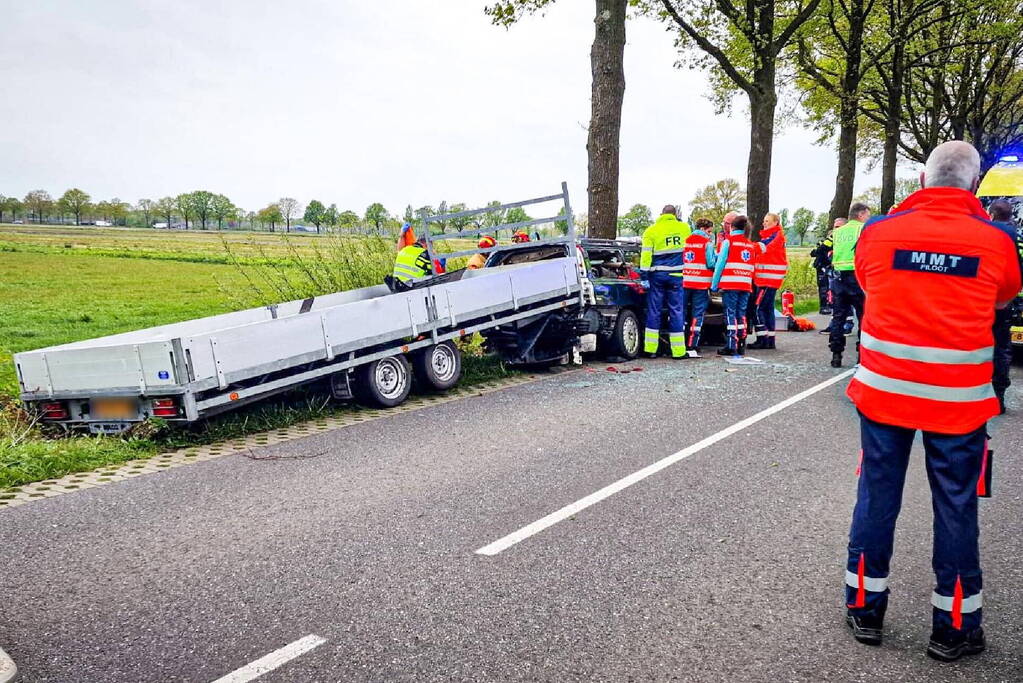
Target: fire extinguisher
788 303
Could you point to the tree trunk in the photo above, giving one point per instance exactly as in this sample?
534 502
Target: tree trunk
607 92
761 149
849 127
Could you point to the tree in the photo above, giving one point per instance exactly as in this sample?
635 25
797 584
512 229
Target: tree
183 203
517 215
38 202
717 199
146 208
783 217
493 218
348 219
462 222
872 197
76 202
330 216
636 220
822 225
117 211
13 205
271 215
376 215
607 92
289 209
314 213
410 215
802 221
3 207
201 203
222 209
165 209
744 42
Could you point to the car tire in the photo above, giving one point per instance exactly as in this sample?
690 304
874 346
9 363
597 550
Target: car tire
626 338
438 367
385 382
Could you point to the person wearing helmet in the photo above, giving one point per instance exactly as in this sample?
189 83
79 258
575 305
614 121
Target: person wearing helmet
520 237
477 261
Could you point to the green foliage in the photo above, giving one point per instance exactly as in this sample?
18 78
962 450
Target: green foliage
315 213
635 220
903 188
376 215
222 209
517 215
508 12
39 202
348 219
331 216
802 222
76 202
821 225
717 199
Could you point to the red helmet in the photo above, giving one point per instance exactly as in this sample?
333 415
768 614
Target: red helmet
486 242
520 236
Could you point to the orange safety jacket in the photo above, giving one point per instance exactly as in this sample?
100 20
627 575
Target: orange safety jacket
696 273
738 271
772 261
933 272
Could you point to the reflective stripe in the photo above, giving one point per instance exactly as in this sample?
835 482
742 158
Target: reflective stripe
732 327
970 604
669 269
739 266
736 278
927 391
697 278
768 276
926 354
662 252
648 249
871 583
768 266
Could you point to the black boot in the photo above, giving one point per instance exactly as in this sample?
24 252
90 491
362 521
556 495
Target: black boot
1001 401
948 646
741 350
760 343
866 629
726 351
836 359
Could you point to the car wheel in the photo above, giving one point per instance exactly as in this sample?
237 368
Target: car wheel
626 337
385 382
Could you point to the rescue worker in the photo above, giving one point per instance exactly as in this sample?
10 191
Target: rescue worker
412 262
698 262
733 274
661 262
848 297
520 237
477 261
772 264
726 227
821 255
916 375
1001 213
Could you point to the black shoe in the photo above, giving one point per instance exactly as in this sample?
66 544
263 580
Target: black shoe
948 646
759 344
836 360
647 354
725 351
1001 402
866 629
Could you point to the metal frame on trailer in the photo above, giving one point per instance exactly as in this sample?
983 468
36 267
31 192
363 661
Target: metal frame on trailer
426 220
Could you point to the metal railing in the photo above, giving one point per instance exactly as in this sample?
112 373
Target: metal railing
495 230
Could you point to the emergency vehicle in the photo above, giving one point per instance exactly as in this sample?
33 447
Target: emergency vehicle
1005 181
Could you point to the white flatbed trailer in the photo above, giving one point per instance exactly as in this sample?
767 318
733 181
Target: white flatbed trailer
186 371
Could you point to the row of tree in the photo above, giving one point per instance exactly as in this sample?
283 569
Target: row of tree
893 79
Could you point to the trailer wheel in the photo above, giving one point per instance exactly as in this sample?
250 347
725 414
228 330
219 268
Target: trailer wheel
625 338
385 382
438 367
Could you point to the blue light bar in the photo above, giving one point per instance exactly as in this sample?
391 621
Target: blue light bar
1009 157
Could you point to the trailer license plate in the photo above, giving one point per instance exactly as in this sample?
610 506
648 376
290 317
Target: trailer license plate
1017 335
113 409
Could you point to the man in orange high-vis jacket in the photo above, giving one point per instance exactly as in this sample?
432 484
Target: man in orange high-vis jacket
934 257
772 263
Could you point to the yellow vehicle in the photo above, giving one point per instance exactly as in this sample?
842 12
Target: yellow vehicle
1005 181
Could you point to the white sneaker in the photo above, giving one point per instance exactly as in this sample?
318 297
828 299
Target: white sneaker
692 353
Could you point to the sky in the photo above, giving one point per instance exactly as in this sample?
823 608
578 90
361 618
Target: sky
353 102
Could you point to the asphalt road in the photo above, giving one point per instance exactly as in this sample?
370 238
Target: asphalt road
726 566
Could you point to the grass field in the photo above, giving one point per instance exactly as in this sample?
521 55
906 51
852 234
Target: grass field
63 284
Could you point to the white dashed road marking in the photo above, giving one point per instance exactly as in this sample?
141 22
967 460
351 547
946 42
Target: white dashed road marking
251 672
564 513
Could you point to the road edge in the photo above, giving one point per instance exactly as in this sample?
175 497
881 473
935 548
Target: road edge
8 669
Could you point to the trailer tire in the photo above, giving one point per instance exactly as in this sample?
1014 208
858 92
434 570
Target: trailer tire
625 339
385 382
438 367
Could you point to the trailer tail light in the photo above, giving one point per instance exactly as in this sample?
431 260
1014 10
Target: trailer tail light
53 410
165 407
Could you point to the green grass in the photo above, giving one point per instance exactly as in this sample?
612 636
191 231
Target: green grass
49 296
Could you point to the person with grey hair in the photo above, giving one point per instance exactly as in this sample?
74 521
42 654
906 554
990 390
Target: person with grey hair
933 271
846 294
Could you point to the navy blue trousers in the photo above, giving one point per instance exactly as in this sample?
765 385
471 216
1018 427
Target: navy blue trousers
735 316
665 289
765 312
953 464
700 299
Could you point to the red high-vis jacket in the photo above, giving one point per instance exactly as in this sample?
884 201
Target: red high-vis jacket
933 272
738 271
772 261
696 273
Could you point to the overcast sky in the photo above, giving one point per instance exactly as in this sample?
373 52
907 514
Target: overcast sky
349 101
